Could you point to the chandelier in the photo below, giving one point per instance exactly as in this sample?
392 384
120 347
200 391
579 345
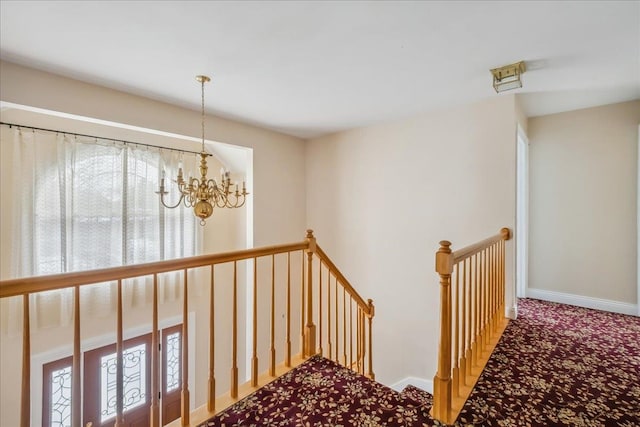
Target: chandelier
205 194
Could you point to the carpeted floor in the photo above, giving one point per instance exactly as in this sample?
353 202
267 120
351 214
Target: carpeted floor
560 365
557 365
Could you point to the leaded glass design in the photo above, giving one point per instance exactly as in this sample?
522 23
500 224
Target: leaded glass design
173 361
134 381
60 415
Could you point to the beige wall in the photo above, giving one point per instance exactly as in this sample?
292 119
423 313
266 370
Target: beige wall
583 195
382 197
278 196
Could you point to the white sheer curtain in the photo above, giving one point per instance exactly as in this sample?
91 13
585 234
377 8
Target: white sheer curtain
84 204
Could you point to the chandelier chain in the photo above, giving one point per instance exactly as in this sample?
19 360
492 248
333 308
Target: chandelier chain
202 113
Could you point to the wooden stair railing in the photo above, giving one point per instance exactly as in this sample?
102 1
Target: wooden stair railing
472 305
340 329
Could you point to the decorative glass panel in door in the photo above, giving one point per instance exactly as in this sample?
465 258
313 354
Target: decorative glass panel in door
100 384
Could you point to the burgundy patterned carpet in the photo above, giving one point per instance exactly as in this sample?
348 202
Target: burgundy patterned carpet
560 365
322 393
557 365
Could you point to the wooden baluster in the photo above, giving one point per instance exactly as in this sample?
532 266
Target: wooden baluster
485 299
502 279
154 410
487 283
481 305
498 316
310 331
489 317
500 282
506 235
184 401
287 352
211 394
320 308
344 327
362 350
465 320
482 280
442 379
25 399
119 361
496 284
272 359
489 280
491 293
470 318
76 387
350 332
455 377
370 373
496 280
329 314
364 337
254 356
476 308
233 392
337 318
302 308
358 335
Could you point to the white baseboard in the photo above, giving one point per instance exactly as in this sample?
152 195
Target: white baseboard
512 313
582 301
426 385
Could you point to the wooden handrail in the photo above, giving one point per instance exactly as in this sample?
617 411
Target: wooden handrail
352 322
343 280
466 252
29 285
477 307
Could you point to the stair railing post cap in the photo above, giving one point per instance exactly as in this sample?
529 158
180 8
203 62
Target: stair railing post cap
445 244
506 233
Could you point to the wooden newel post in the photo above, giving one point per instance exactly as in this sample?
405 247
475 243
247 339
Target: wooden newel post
372 312
310 328
442 380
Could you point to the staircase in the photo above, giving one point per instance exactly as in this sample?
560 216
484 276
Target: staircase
418 396
323 392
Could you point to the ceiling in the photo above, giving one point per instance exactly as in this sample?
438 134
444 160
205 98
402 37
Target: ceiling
308 68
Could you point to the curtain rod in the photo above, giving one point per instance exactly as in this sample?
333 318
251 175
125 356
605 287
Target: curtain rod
101 137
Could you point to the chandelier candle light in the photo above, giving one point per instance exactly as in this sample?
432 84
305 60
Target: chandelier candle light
204 194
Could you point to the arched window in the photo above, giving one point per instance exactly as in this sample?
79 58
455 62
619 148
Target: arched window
94 206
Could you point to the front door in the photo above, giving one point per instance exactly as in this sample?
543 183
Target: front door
100 384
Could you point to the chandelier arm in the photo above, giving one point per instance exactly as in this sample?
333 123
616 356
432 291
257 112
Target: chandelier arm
229 201
244 199
221 202
169 206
